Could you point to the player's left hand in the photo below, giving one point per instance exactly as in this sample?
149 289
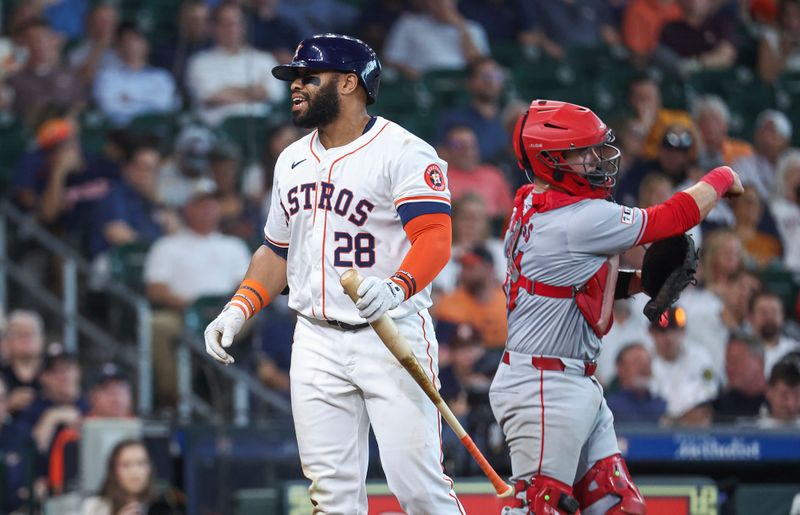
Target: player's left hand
377 296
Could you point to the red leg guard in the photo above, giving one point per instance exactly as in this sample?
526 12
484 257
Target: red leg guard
548 496
610 476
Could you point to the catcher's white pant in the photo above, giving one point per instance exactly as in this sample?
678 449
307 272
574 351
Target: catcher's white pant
341 381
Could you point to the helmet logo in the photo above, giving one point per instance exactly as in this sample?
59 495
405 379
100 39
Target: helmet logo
434 177
297 52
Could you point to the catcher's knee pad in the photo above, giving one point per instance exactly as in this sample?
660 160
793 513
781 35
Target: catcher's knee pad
544 496
610 476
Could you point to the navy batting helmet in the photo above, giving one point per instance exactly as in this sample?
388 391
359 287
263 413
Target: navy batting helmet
338 53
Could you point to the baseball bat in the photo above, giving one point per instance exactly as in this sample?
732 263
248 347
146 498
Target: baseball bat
398 346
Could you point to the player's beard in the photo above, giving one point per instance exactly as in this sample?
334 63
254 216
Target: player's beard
322 109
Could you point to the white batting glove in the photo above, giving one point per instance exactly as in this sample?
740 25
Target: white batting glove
377 297
220 332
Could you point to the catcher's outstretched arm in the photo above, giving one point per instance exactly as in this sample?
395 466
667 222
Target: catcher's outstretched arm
687 208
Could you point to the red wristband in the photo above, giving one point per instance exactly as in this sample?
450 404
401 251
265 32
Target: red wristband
720 178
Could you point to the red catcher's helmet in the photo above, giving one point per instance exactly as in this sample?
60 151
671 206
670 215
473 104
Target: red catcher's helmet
549 129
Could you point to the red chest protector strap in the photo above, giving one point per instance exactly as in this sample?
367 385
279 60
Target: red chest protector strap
595 299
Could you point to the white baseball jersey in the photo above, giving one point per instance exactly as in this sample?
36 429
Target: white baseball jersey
345 207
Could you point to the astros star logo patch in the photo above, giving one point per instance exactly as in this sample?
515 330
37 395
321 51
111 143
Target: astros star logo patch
434 177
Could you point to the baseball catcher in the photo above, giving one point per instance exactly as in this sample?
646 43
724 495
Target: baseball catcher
563 246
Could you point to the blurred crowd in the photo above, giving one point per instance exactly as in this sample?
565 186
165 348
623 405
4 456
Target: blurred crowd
150 128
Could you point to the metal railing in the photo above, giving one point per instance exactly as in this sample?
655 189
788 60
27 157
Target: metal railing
74 324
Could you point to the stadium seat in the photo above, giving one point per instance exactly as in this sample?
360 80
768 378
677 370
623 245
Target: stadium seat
203 311
447 88
781 282
162 125
13 142
94 127
248 132
127 264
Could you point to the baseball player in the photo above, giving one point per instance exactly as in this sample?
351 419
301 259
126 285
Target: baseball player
562 245
358 192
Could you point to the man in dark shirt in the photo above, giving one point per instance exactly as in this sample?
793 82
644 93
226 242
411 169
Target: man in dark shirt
194 36
44 80
16 453
633 401
704 38
744 393
485 82
268 30
25 347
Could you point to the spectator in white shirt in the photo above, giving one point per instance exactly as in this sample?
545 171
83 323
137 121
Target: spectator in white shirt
438 38
767 320
182 267
785 206
133 88
683 372
232 79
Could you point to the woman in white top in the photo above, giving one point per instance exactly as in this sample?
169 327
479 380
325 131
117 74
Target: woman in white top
779 49
128 487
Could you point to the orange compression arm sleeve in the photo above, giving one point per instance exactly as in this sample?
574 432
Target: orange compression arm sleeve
431 238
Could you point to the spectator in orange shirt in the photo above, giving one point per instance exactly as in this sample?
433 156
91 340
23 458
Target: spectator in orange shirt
760 247
644 98
466 173
716 148
642 22
478 299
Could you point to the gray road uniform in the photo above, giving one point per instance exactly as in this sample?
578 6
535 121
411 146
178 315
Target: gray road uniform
544 396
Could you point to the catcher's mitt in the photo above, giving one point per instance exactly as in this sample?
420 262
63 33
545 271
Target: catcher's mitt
668 268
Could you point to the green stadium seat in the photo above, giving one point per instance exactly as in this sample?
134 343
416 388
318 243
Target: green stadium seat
203 311
248 132
447 88
163 125
127 264
781 282
94 128
14 140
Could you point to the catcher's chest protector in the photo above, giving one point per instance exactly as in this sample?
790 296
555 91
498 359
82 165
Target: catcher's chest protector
595 298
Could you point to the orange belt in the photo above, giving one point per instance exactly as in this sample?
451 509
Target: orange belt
555 364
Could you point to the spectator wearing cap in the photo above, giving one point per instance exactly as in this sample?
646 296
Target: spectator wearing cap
785 206
438 25
246 88
761 248
110 393
24 344
195 262
683 373
179 176
59 403
15 449
194 35
130 212
240 216
675 160
772 136
650 116
466 173
485 83
478 298
717 148
782 408
766 318
44 80
746 382
633 401
134 87
471 228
